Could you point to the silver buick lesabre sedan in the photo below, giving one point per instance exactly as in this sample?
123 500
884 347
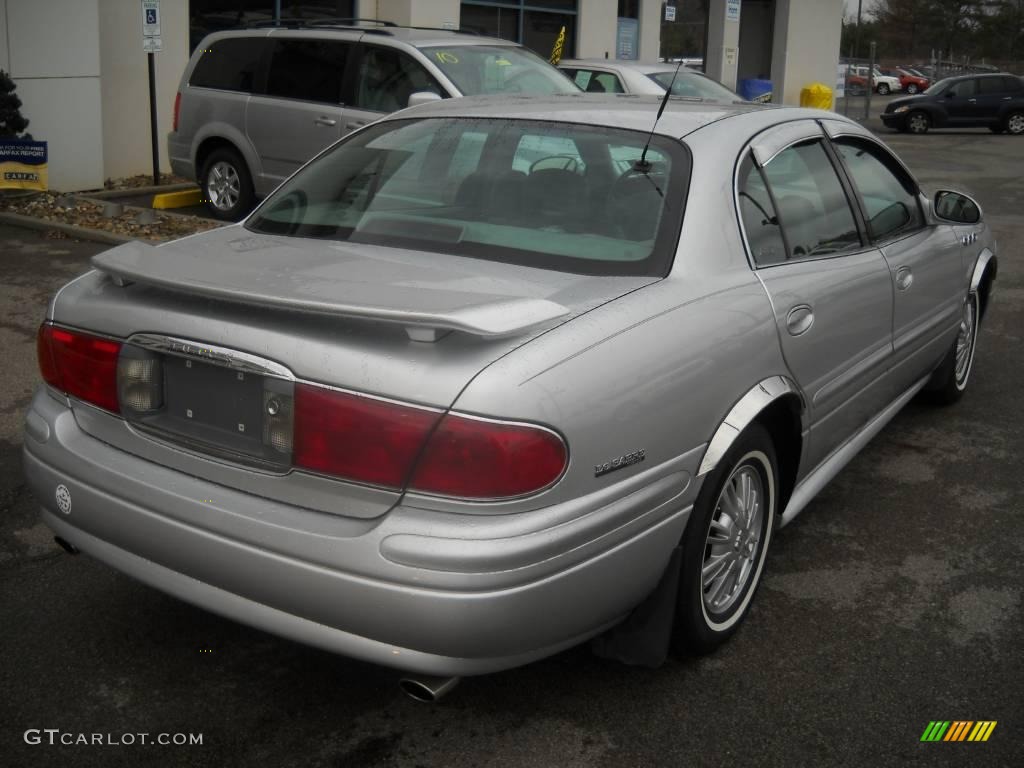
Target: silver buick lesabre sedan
458 393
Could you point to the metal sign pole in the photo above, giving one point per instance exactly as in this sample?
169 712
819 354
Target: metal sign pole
871 82
153 129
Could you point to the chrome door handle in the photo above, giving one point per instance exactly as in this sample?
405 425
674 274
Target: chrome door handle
1007 98
326 121
355 124
904 278
973 101
799 320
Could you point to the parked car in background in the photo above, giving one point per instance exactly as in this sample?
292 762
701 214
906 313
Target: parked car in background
912 82
457 393
255 104
966 101
884 84
611 76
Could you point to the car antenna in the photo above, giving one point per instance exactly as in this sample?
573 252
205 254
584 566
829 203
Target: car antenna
641 165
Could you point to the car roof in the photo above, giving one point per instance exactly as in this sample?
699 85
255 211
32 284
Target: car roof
628 111
418 37
643 67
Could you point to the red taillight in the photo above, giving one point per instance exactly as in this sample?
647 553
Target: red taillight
177 109
357 438
480 459
80 364
378 442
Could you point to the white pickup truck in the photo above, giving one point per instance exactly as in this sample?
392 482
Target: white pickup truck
884 84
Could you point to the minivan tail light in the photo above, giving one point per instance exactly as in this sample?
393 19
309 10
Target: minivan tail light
357 438
483 459
79 364
177 110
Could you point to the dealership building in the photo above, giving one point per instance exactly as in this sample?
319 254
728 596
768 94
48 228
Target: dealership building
82 77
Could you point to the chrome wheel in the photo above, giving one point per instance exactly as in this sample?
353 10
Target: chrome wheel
918 122
964 354
223 186
1015 123
912 89
732 548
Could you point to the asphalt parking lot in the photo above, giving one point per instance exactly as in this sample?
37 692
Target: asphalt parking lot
897 598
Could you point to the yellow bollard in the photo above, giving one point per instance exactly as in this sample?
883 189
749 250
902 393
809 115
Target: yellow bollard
816 95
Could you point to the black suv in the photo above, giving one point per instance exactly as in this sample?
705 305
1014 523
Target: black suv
992 101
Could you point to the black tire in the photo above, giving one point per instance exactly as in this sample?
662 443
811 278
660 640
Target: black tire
918 121
699 628
883 89
912 88
1014 123
949 381
227 185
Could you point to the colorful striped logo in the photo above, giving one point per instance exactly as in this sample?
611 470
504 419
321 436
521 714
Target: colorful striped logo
958 730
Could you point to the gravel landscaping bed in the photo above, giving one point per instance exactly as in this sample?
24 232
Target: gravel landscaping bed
119 220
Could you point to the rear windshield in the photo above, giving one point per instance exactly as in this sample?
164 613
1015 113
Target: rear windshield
693 86
480 69
558 196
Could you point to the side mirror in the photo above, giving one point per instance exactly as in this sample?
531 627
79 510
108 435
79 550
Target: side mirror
956 207
422 97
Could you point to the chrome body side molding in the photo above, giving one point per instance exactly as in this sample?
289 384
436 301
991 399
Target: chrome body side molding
759 397
810 486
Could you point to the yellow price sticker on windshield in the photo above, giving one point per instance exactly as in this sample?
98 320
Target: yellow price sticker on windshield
503 63
447 58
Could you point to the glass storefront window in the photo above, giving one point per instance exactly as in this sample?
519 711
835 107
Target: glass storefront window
206 16
534 23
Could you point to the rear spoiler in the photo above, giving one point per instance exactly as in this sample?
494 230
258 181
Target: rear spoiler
499 317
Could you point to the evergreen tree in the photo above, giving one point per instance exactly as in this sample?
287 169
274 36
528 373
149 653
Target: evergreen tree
12 124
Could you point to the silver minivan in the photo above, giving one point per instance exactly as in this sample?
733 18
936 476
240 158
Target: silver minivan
255 104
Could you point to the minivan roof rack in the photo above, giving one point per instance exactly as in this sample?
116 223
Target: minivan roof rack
292 22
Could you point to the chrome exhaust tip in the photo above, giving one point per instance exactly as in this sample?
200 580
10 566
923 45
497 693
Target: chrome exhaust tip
427 689
67 546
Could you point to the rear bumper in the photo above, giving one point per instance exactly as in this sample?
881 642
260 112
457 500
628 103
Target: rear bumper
384 590
179 153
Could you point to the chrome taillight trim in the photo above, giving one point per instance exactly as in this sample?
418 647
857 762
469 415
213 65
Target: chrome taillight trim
211 353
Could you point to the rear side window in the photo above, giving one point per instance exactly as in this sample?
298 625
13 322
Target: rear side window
761 225
812 205
229 65
987 85
888 194
387 77
311 70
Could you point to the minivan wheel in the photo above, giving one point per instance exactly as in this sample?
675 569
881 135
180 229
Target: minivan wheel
726 540
949 381
918 122
883 89
1015 123
227 185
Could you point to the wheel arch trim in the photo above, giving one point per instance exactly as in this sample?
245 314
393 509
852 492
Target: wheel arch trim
981 266
743 414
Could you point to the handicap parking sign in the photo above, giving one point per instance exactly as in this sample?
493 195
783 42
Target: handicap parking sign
150 18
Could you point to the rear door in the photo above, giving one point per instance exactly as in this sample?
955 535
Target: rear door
925 261
831 291
300 111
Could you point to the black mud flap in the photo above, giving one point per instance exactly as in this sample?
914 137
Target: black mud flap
642 640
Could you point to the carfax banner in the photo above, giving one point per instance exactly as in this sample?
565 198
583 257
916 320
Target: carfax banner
23 164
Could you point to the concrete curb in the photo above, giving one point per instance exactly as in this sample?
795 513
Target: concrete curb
105 194
161 211
81 233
